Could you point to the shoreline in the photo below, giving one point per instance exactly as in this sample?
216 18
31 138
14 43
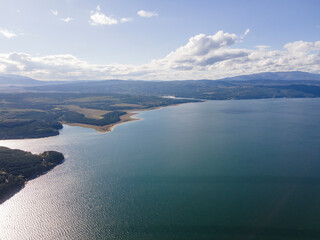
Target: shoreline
16 181
128 117
107 128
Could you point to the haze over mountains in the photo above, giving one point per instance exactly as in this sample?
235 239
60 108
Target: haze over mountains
294 75
255 86
13 80
8 79
17 80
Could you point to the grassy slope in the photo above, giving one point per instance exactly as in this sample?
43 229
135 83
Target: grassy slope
34 115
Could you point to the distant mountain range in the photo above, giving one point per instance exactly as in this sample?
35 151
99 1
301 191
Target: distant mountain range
7 79
254 86
16 80
296 75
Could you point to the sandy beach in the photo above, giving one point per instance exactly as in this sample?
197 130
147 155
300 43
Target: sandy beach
124 118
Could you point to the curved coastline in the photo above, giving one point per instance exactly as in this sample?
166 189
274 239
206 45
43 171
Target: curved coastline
128 117
18 181
107 128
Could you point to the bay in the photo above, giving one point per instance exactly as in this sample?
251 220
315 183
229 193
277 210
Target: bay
227 169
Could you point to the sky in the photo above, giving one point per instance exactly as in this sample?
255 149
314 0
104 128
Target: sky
157 40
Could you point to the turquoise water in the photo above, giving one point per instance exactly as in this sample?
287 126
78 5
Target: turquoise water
246 169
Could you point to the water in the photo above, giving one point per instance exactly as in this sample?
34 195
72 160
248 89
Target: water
220 169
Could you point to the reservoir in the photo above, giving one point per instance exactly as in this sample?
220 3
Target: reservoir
217 169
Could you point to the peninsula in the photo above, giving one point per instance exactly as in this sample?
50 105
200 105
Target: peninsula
17 167
36 115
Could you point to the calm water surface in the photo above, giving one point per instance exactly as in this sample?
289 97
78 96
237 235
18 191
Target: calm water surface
220 169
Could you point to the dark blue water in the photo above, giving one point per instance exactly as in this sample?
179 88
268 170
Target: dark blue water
246 169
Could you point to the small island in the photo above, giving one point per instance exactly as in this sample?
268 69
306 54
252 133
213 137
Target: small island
17 167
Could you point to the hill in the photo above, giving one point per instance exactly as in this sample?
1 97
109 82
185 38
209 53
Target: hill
264 85
283 76
16 80
17 167
7 79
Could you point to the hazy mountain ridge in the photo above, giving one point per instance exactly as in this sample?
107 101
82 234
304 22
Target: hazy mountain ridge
255 86
289 76
17 80
8 79
11 80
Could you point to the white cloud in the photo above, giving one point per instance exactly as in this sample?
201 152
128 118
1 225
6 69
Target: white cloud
98 18
203 56
124 20
143 13
301 46
8 34
67 19
202 50
54 12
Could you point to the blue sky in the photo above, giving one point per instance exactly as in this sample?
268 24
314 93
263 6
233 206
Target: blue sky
73 39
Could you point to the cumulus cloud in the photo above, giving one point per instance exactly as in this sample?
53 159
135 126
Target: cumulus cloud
203 50
202 44
203 56
54 12
67 19
98 18
143 13
6 33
